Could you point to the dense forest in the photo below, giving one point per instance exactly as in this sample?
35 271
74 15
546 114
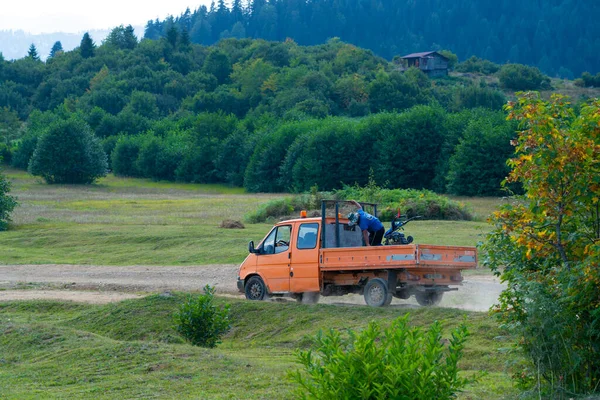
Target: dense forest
269 116
560 37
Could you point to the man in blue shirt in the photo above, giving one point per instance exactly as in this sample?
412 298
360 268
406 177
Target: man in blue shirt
372 229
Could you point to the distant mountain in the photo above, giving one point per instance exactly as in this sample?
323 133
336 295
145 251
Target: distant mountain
14 44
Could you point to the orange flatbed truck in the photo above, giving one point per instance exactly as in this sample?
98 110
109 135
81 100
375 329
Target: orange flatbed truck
310 257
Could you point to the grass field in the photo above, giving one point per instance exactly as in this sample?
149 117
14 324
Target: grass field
122 221
130 349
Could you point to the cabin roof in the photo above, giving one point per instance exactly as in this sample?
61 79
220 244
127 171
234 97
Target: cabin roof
423 54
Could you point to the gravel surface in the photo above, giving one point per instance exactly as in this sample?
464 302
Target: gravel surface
101 284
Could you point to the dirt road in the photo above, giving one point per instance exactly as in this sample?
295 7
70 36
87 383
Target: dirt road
99 284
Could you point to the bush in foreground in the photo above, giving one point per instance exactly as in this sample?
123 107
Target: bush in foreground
401 363
546 246
200 321
69 153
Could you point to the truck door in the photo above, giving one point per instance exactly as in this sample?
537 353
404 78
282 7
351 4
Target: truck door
304 271
273 262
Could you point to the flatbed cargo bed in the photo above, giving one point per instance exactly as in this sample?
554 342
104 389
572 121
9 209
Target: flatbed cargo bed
398 257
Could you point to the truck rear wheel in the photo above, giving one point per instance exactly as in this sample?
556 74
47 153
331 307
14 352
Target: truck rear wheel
429 298
377 294
255 289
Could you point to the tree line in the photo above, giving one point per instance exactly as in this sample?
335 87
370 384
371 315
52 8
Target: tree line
171 109
424 147
560 37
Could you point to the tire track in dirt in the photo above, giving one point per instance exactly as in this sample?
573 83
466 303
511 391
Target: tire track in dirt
99 284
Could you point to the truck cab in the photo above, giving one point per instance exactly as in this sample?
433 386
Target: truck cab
286 260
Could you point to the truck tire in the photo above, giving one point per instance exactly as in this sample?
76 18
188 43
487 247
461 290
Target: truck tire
255 289
377 294
309 297
429 298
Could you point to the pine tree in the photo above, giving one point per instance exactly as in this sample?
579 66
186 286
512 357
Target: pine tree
129 38
56 49
222 17
87 47
121 38
172 35
237 12
184 41
186 20
32 53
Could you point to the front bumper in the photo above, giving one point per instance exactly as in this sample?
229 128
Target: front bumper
240 285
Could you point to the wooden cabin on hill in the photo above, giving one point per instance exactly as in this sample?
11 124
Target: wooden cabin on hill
430 62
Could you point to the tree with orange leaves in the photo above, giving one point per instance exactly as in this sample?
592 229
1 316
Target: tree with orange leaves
546 244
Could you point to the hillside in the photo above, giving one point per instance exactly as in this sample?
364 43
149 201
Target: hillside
131 349
559 36
262 114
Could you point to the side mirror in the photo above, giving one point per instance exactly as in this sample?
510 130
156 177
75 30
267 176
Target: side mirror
251 247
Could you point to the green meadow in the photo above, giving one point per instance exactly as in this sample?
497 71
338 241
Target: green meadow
124 221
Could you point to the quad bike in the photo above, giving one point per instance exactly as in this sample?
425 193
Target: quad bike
393 235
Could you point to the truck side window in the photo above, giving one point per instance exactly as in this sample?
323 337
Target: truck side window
307 236
282 240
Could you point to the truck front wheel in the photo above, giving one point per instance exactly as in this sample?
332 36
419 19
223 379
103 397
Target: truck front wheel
429 298
255 289
377 294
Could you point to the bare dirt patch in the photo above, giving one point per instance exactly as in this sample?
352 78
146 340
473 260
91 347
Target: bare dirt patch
67 295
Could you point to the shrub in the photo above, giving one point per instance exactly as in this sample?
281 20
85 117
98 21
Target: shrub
108 145
7 202
263 170
327 157
522 77
158 159
588 80
5 154
478 165
473 96
411 202
200 321
197 162
407 153
25 148
478 65
546 245
274 209
124 155
401 363
69 153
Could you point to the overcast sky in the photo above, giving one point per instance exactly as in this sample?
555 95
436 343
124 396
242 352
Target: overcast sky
72 16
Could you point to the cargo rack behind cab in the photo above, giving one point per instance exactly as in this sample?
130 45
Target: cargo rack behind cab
336 204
